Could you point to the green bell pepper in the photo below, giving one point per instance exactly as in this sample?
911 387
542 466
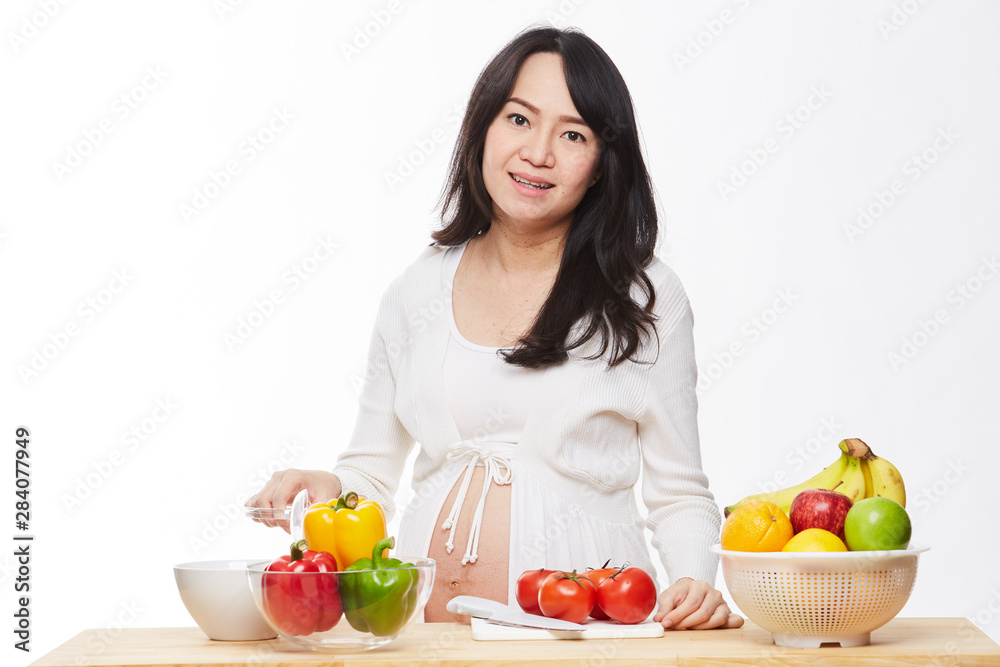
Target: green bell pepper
381 600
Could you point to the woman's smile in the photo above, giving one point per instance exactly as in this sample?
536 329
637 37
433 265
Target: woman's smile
532 187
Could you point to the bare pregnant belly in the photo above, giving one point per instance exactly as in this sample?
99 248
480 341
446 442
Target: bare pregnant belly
487 577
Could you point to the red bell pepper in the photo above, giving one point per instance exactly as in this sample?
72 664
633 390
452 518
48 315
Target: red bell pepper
299 597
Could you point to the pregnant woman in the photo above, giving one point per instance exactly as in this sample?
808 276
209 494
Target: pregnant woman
539 355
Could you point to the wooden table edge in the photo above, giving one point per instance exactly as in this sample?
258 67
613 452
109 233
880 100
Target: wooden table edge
422 644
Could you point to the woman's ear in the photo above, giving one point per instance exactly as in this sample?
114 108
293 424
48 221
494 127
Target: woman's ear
597 177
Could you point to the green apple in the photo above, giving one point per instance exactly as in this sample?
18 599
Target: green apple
877 524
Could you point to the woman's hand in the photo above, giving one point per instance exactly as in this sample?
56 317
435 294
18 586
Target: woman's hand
284 485
694 605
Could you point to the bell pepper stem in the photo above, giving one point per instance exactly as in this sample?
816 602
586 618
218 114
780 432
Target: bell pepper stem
297 550
349 501
387 543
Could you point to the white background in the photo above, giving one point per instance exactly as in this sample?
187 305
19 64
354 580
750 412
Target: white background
112 514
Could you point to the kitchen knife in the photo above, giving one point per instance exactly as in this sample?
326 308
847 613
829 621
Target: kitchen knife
502 614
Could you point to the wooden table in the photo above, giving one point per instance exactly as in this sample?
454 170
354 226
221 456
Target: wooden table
903 641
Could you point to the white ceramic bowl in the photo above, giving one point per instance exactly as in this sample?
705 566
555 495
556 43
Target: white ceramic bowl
216 595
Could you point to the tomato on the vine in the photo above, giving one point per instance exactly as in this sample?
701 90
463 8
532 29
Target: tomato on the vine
627 596
568 596
597 576
526 589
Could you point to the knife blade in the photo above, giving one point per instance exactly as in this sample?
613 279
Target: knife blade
501 614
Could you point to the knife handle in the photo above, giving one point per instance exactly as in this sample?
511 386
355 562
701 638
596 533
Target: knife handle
470 606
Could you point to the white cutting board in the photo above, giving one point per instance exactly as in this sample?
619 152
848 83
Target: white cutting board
483 630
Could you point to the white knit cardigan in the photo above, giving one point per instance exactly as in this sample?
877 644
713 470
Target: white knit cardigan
589 434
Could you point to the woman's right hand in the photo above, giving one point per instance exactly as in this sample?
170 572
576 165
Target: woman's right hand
284 485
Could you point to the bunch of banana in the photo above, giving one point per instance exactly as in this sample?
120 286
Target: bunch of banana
857 474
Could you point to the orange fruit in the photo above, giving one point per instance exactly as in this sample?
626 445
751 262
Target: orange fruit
756 526
814 539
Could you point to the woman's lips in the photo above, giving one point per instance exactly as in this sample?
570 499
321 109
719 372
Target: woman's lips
531 186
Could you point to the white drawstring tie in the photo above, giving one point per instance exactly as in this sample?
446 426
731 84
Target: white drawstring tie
497 470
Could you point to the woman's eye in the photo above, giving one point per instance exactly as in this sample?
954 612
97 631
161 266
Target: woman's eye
575 136
518 119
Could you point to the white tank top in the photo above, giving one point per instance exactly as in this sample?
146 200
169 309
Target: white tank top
489 398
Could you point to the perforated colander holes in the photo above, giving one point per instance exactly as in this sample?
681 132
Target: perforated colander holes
765 599
822 602
876 592
765 588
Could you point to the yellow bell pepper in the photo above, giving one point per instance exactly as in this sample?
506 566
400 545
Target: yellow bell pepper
348 527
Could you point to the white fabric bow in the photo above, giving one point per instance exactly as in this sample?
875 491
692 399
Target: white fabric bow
497 470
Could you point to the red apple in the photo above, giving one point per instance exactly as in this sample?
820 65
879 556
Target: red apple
820 508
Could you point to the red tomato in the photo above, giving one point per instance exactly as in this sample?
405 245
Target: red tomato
568 596
526 589
597 576
627 596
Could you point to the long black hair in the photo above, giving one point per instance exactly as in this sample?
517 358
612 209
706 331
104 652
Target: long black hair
613 234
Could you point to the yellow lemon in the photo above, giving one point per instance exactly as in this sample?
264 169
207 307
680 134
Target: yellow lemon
814 539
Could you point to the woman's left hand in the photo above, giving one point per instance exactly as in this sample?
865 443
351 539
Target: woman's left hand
694 605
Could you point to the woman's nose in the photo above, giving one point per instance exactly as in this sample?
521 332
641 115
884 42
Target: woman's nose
537 150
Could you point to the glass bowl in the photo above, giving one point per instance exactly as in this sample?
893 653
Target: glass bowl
806 599
366 609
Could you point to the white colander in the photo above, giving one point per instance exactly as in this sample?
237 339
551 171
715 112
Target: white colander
807 599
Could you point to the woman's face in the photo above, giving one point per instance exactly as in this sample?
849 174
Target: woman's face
539 157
